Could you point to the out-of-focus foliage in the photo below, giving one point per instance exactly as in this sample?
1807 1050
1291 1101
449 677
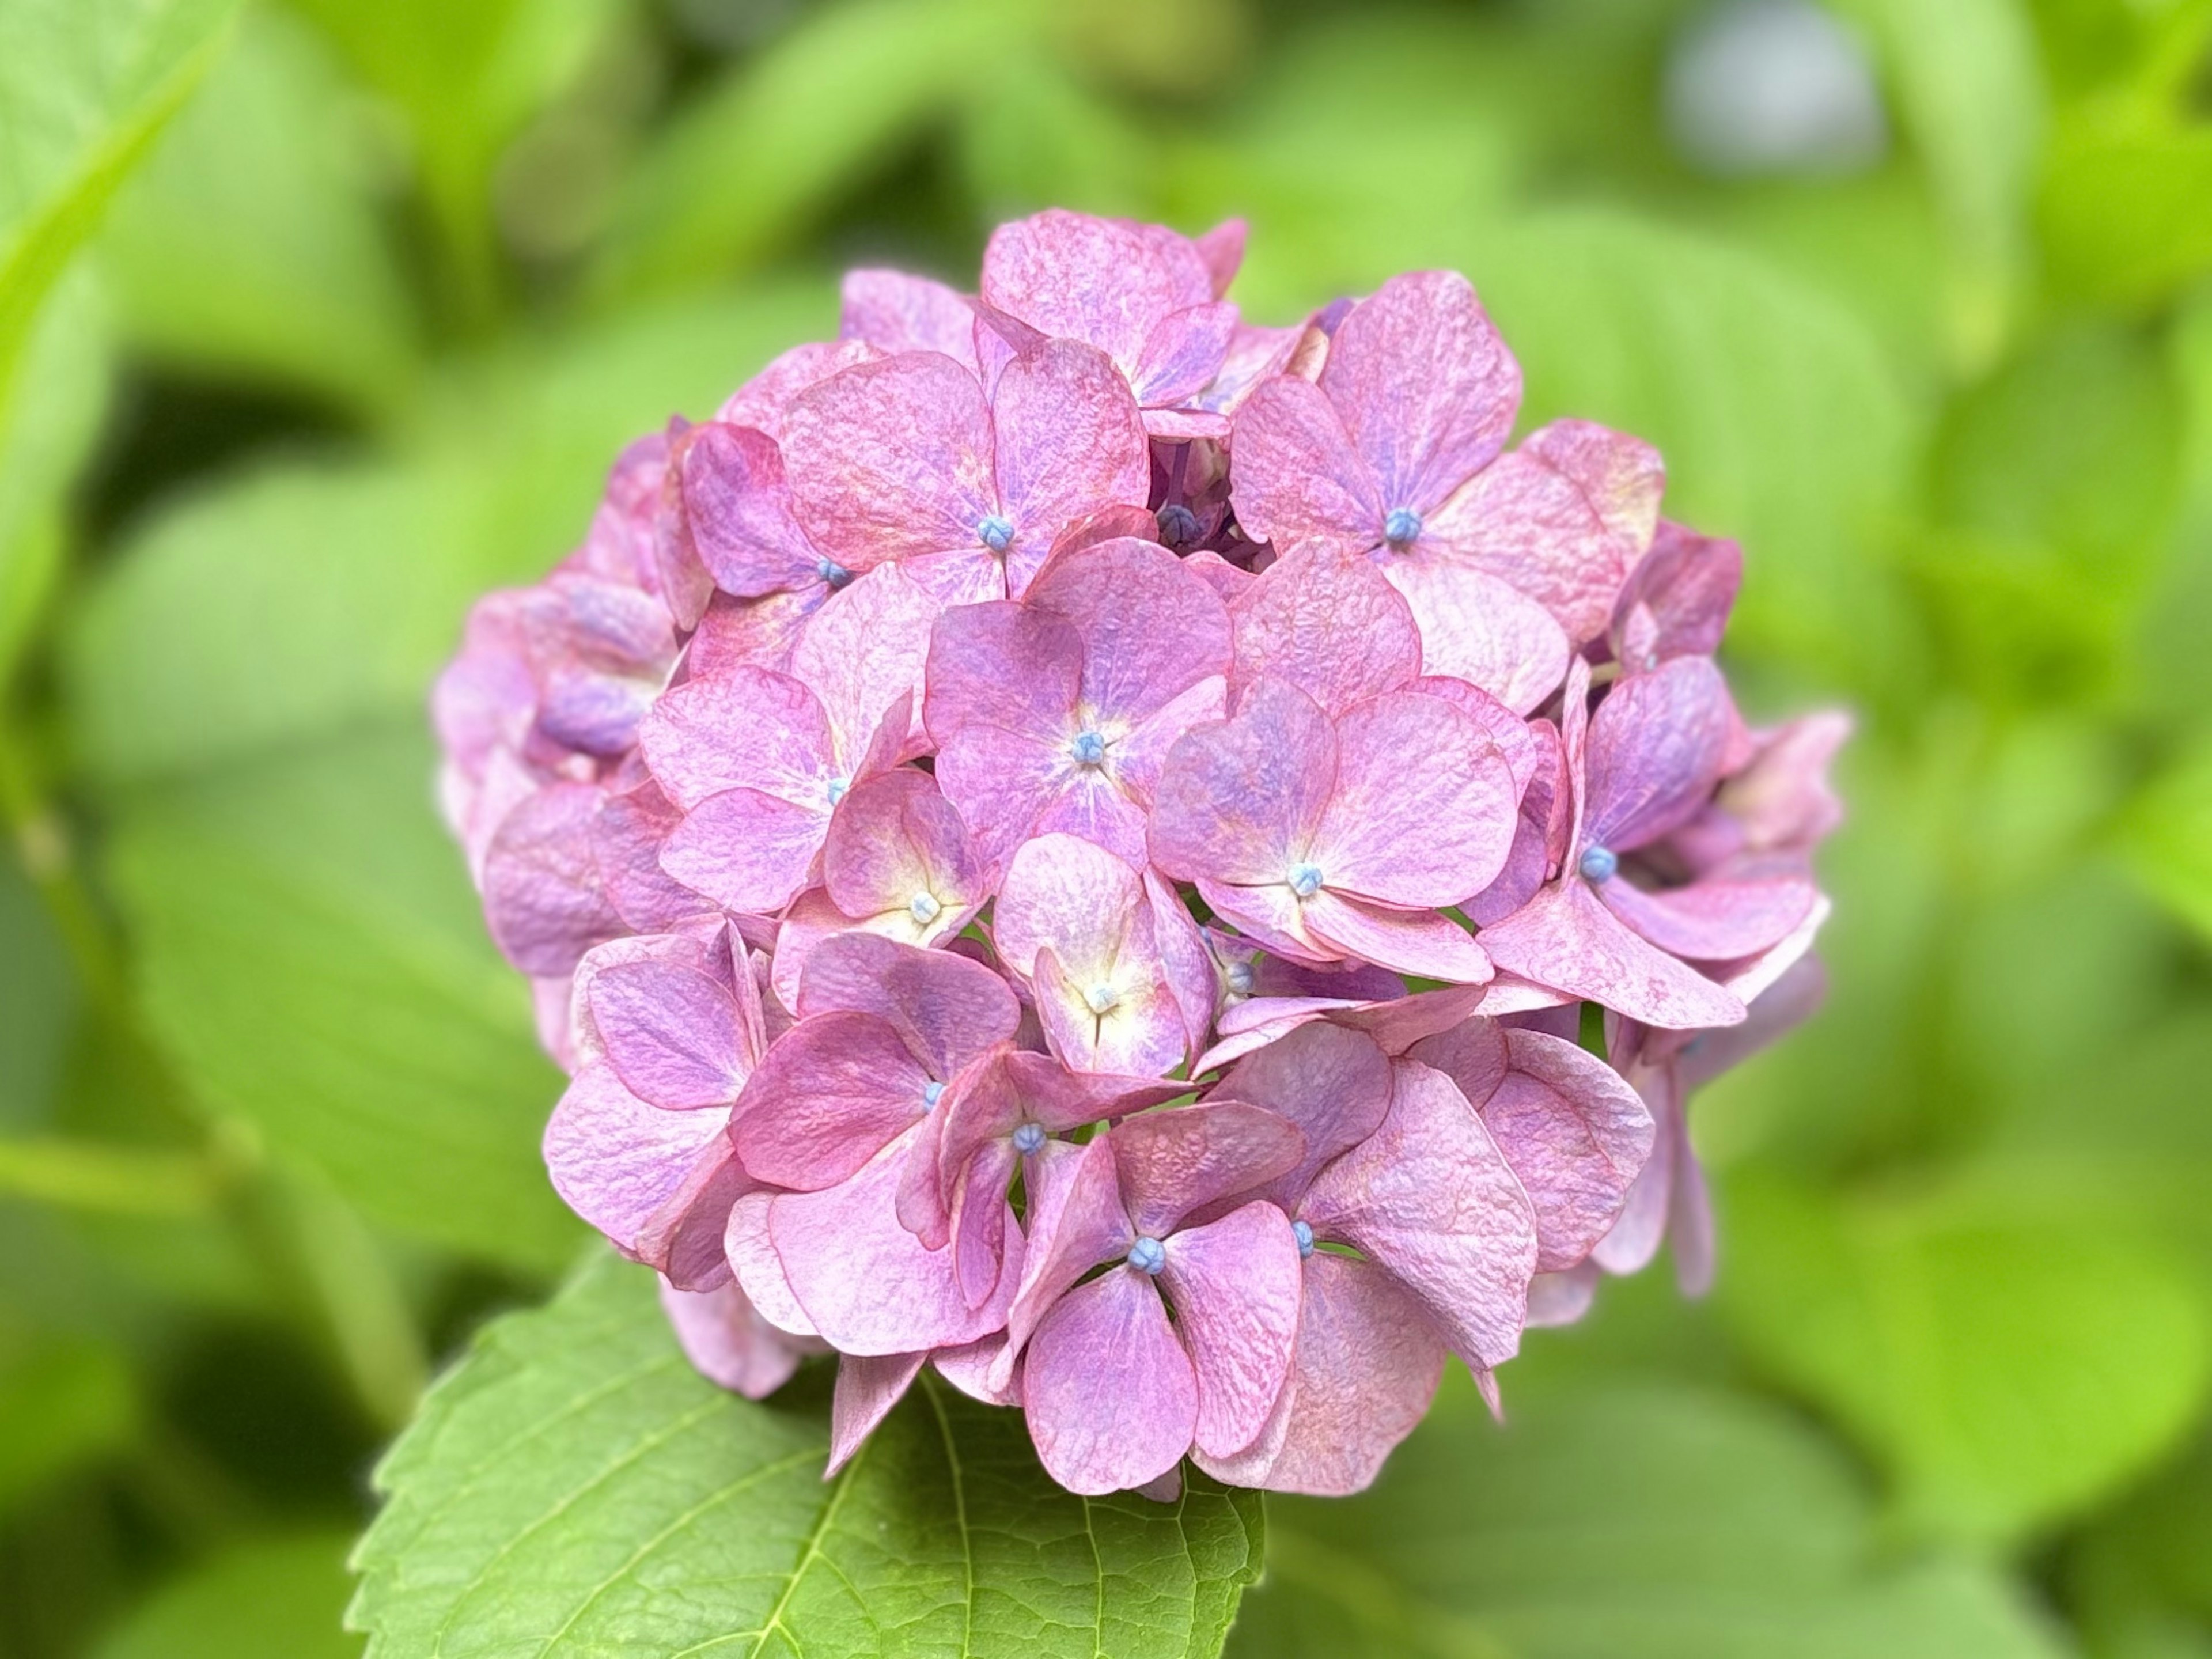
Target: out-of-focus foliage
319 317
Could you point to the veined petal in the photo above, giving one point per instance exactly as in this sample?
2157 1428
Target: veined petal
831 1093
868 1386
670 1033
1299 481
1425 942
1565 938
1174 1162
1235 1285
1240 801
1330 624
1425 808
1110 1394
1069 442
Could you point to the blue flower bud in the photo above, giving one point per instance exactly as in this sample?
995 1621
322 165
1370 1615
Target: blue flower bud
1148 1255
1597 863
995 533
1400 526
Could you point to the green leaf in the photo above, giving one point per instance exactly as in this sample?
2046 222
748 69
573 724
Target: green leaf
1648 1522
1774 408
309 949
573 1488
61 1406
278 1597
2009 1364
44 440
85 85
250 241
2126 207
2167 837
802 122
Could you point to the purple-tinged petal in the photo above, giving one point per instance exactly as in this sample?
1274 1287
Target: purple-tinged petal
1366 1366
1538 836
1425 808
895 312
1135 758
747 851
892 458
1329 624
1010 667
617 1162
863 650
1654 752
736 512
1478 628
1110 1394
750 633
1715 919
1676 602
1566 939
946 1009
868 1386
1573 1132
1334 1084
747 729
1240 801
727 1341
685 1238
1299 482
1181 356
1562 1298
1634 1238
759 1270
1007 786
981 1221
671 1033
1069 442
1105 281
1423 943
897 848
626 841
1222 248
1234 1284
701 944
1430 1198
761 401
1076 1220
543 897
867 1282
1425 388
1181 949
1272 915
1174 1162
832 1093
1151 630
1775 1010
968 1368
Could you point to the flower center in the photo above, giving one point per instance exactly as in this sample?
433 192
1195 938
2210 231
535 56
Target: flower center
932 1092
1304 1234
1100 998
1304 879
833 572
923 908
1148 1255
1029 1139
1178 524
1089 748
836 789
1597 863
1400 526
1240 978
995 533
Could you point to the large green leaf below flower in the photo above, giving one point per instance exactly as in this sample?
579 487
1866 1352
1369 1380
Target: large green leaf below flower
573 1488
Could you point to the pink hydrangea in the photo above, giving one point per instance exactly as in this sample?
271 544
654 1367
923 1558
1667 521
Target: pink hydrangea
1067 837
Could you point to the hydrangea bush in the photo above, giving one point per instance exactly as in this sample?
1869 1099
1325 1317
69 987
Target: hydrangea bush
1070 838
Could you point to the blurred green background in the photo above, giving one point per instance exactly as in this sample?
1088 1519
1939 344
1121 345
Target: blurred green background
319 318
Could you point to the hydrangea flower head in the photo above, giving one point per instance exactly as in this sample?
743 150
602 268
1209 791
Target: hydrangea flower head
1067 836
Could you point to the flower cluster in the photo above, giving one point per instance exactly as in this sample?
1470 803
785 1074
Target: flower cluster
1068 838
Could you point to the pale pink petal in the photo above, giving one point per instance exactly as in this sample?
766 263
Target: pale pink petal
749 728
1430 1198
1234 1283
1419 942
891 459
759 1271
1240 801
727 1340
1333 1082
1133 759
865 1282
1635 1237
545 900
946 1009
1425 808
1182 956
1272 915
1715 919
863 650
1566 939
1329 624
831 1093
670 1033
1654 752
760 403
896 845
1174 1162
747 851
868 1386
1478 628
1796 993
1562 1298
968 1368
1067 894
1151 628
617 1161
1141 1031
1105 282
1069 442
1110 1395
1222 248
895 311
1366 1366
1299 482
1423 385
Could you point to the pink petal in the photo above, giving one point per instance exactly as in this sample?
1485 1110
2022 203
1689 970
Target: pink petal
1181 356
763 401
1141 1034
1425 388
1424 807
727 1340
1135 759
1008 785
1573 1132
1105 282
1562 1298
1110 1395
736 512
1629 1245
1069 442
895 312
626 841
1563 519
968 1368
1715 919
979 1230
1299 482
1365 1367
831 1093
1189 970
545 900
1654 752
1223 250
747 851
891 459
746 729
897 846
1174 1162
754 633
618 1162
1419 942
868 1386
1272 915
1676 602
1430 1198
1076 1220
1235 1285
759 1270
1775 1010
946 1009
1008 666
1563 938
1334 1084
1329 624
1241 800
1478 628
863 650
1151 628
1066 894
670 1033
866 1283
